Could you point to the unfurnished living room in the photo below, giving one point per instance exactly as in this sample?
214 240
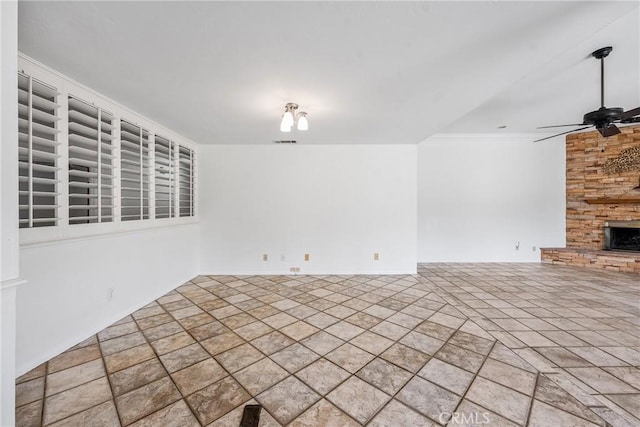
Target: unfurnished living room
331 214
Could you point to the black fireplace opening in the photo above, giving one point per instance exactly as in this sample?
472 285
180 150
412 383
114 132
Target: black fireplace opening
622 238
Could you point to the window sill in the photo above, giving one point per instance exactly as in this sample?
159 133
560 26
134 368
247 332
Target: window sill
30 237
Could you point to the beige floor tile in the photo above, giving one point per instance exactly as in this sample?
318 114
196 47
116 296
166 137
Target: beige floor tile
323 413
132 356
448 376
153 321
510 376
78 399
373 343
322 376
198 376
499 399
253 330
397 414
29 391
549 392
468 414
162 331
294 357
72 358
600 380
122 343
405 357
261 375
427 398
322 342
298 330
543 415
37 372
349 357
384 375
221 343
29 415
344 330
597 356
279 320
117 330
217 399
358 399
208 330
288 399
172 343
102 415
435 330
272 342
183 357
533 339
175 415
460 357
136 376
390 330
239 357
195 321
422 343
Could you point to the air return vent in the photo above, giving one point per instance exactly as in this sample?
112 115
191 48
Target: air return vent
285 141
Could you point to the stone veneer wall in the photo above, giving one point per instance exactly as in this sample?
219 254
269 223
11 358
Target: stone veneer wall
587 154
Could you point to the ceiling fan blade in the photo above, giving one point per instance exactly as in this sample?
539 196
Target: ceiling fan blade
560 126
609 131
631 113
631 120
563 133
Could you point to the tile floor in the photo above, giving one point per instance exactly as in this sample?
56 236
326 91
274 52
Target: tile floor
456 344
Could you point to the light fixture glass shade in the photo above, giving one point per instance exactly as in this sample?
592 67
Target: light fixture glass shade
303 124
287 120
284 127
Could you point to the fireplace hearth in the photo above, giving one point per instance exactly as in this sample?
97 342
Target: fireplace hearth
622 235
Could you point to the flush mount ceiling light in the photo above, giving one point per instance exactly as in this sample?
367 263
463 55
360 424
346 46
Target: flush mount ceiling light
291 118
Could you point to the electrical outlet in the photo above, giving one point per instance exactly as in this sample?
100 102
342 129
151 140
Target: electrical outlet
533 248
295 270
265 257
306 257
109 294
376 256
283 258
517 246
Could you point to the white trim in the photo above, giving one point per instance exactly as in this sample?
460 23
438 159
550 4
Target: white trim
11 283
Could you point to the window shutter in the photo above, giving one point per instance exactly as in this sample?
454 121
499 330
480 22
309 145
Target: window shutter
90 163
37 153
134 172
186 161
164 177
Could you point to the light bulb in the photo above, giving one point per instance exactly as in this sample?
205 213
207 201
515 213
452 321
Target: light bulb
287 119
303 124
284 127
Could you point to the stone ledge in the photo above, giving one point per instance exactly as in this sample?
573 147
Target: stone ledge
628 262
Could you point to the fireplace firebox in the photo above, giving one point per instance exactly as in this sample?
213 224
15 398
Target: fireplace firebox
622 235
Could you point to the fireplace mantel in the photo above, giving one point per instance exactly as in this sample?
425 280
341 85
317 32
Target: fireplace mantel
614 201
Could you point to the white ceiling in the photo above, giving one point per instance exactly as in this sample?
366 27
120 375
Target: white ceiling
366 72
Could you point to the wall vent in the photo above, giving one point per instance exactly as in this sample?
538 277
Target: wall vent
285 141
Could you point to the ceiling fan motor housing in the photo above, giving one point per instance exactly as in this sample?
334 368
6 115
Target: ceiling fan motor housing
603 116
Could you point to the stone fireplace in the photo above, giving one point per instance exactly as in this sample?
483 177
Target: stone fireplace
603 202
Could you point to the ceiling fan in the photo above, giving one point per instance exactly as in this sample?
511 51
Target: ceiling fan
603 119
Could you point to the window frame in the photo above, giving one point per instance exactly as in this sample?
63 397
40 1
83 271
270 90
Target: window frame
67 87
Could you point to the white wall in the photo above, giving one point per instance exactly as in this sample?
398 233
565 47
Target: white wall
9 279
340 204
478 195
65 300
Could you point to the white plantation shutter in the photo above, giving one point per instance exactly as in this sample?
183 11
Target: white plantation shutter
91 167
185 181
165 185
134 172
38 155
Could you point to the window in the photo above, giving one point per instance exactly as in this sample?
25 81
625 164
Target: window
37 153
134 172
186 162
91 168
164 177
88 165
